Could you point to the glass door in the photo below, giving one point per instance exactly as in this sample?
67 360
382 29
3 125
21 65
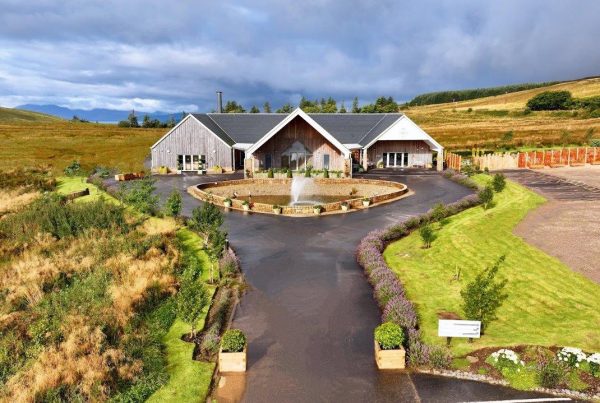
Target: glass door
395 160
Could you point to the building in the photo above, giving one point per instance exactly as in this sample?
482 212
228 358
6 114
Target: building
259 141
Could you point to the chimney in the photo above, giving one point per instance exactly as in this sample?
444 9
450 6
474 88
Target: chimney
219 102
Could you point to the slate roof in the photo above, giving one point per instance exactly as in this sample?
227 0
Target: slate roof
347 128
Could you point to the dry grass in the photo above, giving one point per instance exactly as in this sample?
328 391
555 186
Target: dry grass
133 278
59 143
159 226
12 200
82 361
456 128
518 100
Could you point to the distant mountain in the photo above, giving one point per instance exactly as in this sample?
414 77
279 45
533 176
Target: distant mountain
93 115
13 115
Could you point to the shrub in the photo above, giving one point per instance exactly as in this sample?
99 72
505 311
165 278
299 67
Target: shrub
173 204
439 212
551 374
440 357
31 178
486 196
483 296
289 173
595 143
73 169
571 356
386 289
140 195
389 336
307 172
270 173
418 352
102 172
499 182
234 341
400 311
594 363
325 174
506 359
550 100
229 264
427 235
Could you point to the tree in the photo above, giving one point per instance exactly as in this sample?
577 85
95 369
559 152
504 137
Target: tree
381 105
191 300
205 219
173 204
133 120
286 108
550 100
140 195
499 182
124 123
233 107
355 107
329 106
171 121
343 108
254 109
439 212
427 235
486 196
267 107
217 240
483 296
146 122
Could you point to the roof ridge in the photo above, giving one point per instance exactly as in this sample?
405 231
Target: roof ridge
374 126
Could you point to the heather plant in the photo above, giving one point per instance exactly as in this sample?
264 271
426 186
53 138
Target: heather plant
229 264
438 213
440 357
550 374
385 290
401 311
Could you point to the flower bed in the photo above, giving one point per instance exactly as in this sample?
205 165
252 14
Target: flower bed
388 289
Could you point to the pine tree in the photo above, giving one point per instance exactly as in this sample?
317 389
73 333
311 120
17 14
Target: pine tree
254 109
133 120
267 107
343 108
355 107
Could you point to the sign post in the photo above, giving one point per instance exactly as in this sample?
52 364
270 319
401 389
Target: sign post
470 329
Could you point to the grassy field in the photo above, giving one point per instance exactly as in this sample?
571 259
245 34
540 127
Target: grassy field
548 304
456 128
59 143
9 115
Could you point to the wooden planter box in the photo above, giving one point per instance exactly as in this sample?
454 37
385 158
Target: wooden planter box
246 207
345 208
277 211
227 204
390 359
366 203
232 362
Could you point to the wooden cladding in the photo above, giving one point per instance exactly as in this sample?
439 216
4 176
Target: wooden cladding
300 138
419 153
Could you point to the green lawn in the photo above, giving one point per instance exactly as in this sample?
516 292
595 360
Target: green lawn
189 380
70 184
548 304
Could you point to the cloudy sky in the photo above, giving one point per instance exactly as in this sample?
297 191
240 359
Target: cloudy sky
173 55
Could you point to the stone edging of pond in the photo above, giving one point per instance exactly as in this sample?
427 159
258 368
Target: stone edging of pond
202 192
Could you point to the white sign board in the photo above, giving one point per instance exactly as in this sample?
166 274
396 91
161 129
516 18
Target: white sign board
459 328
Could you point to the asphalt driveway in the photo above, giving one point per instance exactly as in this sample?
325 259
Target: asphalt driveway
309 313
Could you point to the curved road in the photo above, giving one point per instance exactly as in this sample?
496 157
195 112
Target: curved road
309 313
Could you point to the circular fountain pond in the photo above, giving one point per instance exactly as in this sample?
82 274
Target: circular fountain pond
300 195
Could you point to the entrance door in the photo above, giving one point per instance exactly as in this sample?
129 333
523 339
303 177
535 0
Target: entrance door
395 160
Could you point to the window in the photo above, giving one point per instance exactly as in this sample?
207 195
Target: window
180 162
195 164
325 161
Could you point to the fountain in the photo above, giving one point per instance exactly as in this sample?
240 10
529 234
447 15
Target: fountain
298 185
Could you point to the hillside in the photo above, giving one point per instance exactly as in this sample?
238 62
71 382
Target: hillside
517 100
484 122
10 115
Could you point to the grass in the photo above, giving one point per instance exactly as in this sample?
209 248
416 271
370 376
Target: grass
189 380
548 304
58 143
10 115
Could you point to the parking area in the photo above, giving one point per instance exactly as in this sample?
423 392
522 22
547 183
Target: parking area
568 226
